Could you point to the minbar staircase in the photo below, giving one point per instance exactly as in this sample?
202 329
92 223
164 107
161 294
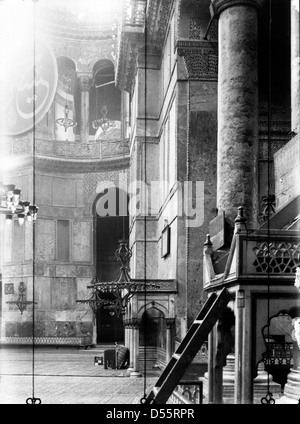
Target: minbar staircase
188 348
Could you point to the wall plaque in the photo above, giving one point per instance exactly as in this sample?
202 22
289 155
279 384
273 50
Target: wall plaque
9 288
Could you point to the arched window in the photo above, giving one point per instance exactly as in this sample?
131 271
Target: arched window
104 93
65 96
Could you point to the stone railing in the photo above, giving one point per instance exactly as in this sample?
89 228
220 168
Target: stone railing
257 256
187 392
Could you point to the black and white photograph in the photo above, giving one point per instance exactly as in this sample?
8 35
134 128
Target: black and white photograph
150 205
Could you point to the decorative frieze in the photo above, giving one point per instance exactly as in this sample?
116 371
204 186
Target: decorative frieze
75 341
201 59
157 29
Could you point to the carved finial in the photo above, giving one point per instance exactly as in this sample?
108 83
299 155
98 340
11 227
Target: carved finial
240 216
207 249
208 241
240 220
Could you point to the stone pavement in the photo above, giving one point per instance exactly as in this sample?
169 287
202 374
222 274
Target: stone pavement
66 375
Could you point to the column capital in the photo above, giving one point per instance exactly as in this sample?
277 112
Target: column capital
135 322
169 322
85 81
217 6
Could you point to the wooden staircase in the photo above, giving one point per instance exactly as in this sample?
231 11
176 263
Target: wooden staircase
190 345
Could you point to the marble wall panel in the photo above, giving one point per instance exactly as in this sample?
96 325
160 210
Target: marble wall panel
66 329
84 328
28 240
64 192
50 329
79 194
65 271
39 329
82 241
25 329
18 247
153 95
82 291
7 243
287 172
10 329
85 271
63 294
43 190
45 240
43 292
145 267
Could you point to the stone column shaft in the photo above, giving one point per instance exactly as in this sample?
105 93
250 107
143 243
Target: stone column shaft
211 348
85 82
169 324
238 348
136 368
295 66
237 108
130 346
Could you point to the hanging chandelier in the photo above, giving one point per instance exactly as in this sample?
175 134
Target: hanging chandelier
12 205
21 302
66 122
103 122
122 289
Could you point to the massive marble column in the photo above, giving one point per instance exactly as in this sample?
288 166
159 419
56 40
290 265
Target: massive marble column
237 107
85 81
295 66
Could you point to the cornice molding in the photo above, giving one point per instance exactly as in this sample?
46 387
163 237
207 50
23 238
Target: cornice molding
218 6
77 166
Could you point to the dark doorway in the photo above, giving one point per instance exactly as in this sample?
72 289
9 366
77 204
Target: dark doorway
109 326
152 329
108 231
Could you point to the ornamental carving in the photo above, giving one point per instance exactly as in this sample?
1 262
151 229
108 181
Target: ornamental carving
201 59
90 184
127 60
158 25
198 21
85 82
277 258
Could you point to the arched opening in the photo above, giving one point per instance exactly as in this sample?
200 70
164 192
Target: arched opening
104 93
66 96
111 225
153 336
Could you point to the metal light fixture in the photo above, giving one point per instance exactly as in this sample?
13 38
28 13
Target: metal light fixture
122 290
66 122
21 302
103 122
12 205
